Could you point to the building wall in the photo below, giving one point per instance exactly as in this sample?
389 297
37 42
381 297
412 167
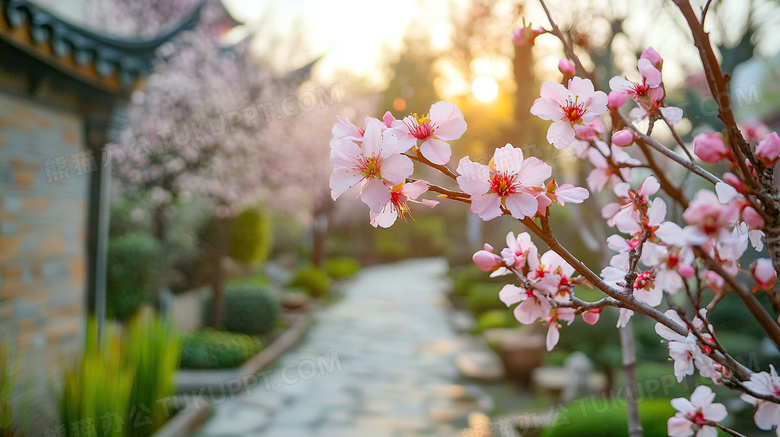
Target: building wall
44 185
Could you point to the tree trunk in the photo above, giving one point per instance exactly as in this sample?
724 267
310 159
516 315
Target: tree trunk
319 233
221 248
629 369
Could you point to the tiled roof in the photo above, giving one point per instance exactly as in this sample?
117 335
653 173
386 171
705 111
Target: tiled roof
76 49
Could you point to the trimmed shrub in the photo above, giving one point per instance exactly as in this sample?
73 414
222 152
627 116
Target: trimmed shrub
251 236
133 272
312 280
210 349
427 236
249 309
495 319
483 297
601 417
463 277
341 267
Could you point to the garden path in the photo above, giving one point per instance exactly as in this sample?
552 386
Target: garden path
378 362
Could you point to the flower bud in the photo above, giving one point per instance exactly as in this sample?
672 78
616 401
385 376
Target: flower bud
651 55
763 272
752 218
623 138
733 180
686 271
586 132
768 149
486 261
714 281
591 316
566 67
615 99
526 35
709 147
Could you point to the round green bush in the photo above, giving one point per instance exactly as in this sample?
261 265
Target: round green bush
251 236
495 319
483 297
210 349
341 267
311 279
603 417
133 272
249 308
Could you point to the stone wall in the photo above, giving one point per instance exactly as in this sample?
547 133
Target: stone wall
43 215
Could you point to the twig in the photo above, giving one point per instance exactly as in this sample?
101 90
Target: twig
670 153
442 168
716 424
764 319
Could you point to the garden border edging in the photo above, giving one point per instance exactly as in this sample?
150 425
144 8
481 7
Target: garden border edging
198 407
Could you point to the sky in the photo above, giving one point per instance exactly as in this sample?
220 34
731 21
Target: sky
356 35
359 36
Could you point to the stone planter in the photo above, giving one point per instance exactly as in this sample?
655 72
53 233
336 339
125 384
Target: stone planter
521 351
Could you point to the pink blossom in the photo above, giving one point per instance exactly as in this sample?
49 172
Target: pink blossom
648 90
566 107
510 182
671 114
345 129
552 274
693 417
526 35
567 193
752 217
533 304
709 147
566 67
372 164
518 250
623 138
714 281
764 273
767 413
684 349
616 99
444 122
753 130
400 197
589 131
388 119
624 317
603 174
709 217
651 55
556 314
649 94
768 149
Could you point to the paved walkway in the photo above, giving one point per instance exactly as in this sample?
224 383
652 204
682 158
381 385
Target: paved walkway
379 362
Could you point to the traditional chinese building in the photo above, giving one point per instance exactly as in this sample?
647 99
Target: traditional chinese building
60 88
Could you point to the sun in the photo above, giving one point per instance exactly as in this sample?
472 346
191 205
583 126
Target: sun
484 88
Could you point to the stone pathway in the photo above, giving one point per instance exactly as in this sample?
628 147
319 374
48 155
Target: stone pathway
379 362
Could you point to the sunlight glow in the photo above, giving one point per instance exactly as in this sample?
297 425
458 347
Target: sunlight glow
484 88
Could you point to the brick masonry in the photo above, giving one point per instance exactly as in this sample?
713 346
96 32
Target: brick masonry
43 213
